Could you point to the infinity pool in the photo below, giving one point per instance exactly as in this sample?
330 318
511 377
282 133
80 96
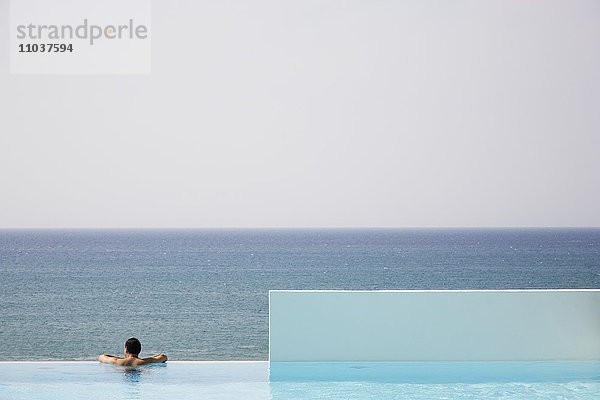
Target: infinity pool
258 380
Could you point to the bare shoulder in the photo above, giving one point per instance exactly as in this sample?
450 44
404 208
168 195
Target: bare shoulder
108 359
132 361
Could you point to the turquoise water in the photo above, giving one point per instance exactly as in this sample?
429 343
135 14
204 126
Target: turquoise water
202 294
250 380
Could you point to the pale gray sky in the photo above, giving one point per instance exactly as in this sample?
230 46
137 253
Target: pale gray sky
318 113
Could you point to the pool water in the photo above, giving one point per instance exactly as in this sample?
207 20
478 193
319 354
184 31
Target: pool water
344 380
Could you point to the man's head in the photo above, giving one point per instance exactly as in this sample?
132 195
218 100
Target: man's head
133 346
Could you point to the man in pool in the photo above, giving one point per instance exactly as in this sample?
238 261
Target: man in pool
132 351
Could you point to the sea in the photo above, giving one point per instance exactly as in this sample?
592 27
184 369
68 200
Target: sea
202 294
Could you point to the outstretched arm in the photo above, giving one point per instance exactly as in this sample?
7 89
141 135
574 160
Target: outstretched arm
158 358
107 358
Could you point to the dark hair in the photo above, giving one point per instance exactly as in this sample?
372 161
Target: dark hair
133 346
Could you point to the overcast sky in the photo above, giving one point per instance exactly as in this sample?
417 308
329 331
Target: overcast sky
318 113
